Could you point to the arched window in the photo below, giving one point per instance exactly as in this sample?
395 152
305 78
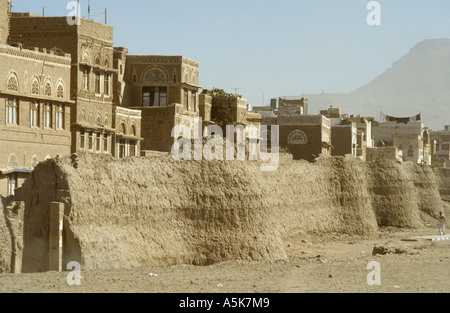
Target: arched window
91 119
12 161
122 129
13 83
85 57
297 137
155 76
83 116
48 89
133 130
35 87
34 161
60 91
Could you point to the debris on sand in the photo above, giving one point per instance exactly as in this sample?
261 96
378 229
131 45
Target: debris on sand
383 250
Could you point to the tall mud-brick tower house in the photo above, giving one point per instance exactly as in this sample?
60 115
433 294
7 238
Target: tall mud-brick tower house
94 125
4 20
34 106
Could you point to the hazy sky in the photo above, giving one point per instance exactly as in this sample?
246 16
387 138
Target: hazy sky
269 48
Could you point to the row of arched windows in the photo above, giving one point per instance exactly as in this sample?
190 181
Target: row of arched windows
123 130
99 121
36 87
86 58
157 75
13 161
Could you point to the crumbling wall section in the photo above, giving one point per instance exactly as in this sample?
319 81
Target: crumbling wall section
5 242
155 211
443 178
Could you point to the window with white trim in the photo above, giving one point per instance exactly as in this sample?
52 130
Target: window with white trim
12 184
12 111
59 116
34 114
48 115
85 79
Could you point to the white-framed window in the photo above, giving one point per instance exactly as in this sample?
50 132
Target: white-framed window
47 115
105 142
59 116
106 81
98 85
12 184
193 102
154 96
90 140
185 99
85 79
82 139
12 111
122 148
98 142
34 114
133 148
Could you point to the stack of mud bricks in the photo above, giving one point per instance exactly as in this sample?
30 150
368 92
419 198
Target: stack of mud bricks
55 236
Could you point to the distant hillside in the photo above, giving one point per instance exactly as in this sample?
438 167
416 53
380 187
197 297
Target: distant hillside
419 82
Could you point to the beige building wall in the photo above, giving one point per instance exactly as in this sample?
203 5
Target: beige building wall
128 138
173 78
165 89
4 20
305 136
344 139
35 109
292 106
408 137
442 143
93 75
379 153
234 111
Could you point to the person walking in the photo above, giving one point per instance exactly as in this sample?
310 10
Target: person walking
442 222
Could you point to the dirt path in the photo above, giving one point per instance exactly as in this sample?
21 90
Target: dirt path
319 264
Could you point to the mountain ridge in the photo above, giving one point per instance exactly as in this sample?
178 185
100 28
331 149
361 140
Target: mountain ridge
418 82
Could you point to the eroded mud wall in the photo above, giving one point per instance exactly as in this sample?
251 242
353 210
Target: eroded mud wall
156 211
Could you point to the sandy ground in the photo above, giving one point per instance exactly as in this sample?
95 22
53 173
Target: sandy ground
318 264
